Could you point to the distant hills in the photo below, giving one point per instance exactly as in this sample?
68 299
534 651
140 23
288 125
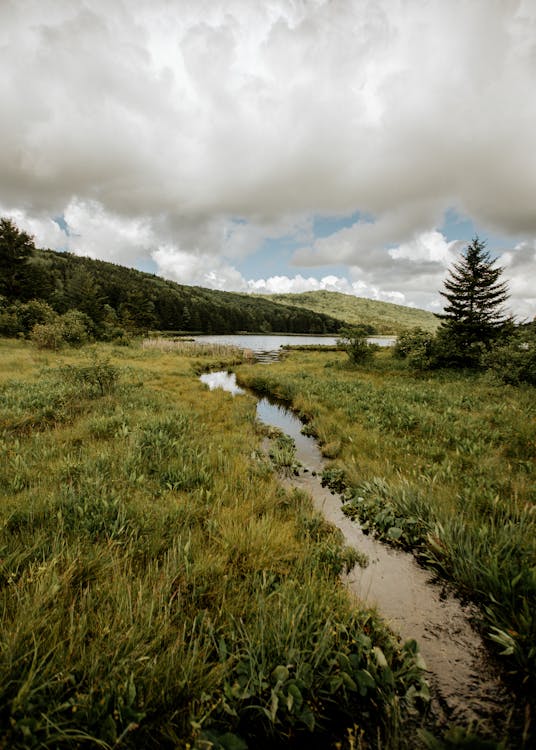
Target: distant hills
117 299
385 317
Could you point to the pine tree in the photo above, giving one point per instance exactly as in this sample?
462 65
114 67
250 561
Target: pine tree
16 248
473 317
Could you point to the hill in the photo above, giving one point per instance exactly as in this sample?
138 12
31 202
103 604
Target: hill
116 298
385 317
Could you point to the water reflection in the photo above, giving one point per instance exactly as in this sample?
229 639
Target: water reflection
275 415
266 347
225 380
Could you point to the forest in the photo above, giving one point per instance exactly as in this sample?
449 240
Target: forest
114 301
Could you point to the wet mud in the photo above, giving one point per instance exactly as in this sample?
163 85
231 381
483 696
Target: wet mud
464 683
466 687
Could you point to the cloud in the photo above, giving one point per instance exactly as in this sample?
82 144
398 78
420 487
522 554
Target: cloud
198 269
209 127
519 265
298 284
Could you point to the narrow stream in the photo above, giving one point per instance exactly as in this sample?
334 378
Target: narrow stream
465 686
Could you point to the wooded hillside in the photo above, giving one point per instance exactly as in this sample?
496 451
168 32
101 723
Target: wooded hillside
113 296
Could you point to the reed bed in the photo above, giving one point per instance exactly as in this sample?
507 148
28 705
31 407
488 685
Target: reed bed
195 349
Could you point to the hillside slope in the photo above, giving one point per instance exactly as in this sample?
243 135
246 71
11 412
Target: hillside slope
113 295
386 317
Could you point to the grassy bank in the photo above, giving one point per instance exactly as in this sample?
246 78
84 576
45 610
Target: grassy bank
442 464
158 587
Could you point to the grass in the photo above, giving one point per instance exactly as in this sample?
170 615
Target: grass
386 317
158 586
442 464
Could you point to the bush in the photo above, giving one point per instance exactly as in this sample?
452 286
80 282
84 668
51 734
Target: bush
416 346
71 329
452 350
354 342
77 327
20 317
48 335
98 378
513 362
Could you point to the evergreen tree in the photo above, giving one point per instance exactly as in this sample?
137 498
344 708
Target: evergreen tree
16 248
473 317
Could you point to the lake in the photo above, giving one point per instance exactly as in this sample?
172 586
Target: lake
266 346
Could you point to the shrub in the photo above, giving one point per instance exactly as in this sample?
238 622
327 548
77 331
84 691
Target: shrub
48 336
77 327
416 346
98 378
71 329
354 342
513 362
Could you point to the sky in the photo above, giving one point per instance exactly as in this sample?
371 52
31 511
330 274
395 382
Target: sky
276 145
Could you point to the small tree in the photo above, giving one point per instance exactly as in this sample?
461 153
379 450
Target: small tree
473 317
354 342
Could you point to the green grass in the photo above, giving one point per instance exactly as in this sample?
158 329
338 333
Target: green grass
386 317
443 464
158 586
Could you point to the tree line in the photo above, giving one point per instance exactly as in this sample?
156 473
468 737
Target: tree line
66 293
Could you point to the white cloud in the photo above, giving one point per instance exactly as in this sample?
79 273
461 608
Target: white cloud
155 125
298 284
519 272
198 269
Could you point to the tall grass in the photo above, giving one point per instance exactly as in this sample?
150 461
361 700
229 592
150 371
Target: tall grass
443 465
158 587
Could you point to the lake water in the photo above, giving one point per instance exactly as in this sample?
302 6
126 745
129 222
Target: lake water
266 347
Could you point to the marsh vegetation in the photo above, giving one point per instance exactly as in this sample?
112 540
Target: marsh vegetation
442 464
158 586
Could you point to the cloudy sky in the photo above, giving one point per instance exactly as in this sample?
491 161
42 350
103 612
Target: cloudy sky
275 145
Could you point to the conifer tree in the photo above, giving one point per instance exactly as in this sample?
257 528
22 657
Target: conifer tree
16 248
473 317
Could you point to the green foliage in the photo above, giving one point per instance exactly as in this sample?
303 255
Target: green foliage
417 347
16 248
473 316
378 317
19 318
282 453
71 329
98 378
355 344
514 360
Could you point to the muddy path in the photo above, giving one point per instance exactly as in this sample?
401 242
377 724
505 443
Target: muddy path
466 687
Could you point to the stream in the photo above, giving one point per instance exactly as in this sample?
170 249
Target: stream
464 684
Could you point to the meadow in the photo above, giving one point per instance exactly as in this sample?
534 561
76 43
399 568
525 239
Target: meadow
440 463
158 585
